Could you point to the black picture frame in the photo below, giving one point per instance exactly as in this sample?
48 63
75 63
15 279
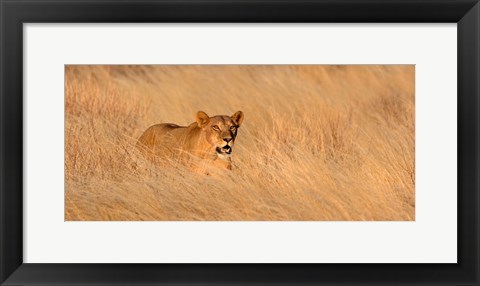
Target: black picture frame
13 13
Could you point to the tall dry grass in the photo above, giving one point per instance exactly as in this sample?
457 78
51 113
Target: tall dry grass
317 143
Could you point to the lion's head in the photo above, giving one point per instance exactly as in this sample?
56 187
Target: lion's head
220 131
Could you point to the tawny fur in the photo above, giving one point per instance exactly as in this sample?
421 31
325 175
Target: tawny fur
210 139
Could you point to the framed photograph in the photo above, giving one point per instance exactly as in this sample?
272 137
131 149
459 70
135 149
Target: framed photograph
239 142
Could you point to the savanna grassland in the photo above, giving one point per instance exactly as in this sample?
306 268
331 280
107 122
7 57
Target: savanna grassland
317 143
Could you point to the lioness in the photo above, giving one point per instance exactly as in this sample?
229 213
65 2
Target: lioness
209 138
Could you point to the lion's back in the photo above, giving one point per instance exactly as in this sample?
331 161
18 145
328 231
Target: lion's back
160 138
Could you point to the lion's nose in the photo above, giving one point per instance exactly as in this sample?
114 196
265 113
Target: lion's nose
227 139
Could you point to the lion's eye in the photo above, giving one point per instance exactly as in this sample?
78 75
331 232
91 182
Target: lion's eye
215 127
232 128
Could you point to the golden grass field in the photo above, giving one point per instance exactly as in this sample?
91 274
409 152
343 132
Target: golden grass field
317 143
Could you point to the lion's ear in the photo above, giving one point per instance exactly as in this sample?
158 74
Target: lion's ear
238 118
202 118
